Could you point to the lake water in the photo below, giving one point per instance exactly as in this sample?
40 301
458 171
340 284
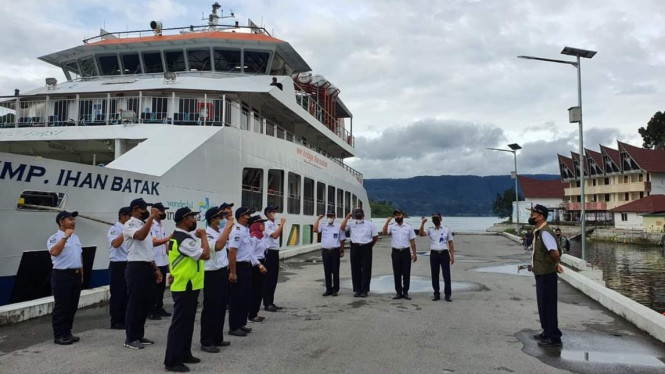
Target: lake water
457 224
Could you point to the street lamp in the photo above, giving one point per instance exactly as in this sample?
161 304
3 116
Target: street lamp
586 54
513 149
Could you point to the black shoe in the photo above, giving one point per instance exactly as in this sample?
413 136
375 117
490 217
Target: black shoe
397 296
209 349
356 294
74 338
277 307
406 296
180 368
436 298
246 329
540 336
63 341
363 294
327 293
162 312
334 293
155 317
270 308
145 341
237 332
549 343
257 319
448 299
191 360
118 326
224 343
134 345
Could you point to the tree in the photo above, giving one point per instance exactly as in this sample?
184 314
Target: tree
381 208
503 204
654 134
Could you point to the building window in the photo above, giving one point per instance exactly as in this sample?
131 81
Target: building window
626 196
607 197
641 194
607 181
593 182
252 188
308 199
293 205
624 217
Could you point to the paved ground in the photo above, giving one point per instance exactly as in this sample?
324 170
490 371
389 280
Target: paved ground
486 329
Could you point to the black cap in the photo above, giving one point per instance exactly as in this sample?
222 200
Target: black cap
540 209
256 218
330 212
243 210
358 211
398 211
212 213
225 206
125 211
181 213
159 206
65 214
436 215
138 203
270 209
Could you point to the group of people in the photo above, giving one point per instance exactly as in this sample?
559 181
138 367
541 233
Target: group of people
234 260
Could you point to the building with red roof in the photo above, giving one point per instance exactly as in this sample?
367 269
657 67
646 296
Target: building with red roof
548 193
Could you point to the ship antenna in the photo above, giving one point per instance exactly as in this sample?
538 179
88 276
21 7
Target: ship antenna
213 18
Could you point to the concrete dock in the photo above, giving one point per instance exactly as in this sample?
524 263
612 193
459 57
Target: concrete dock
486 329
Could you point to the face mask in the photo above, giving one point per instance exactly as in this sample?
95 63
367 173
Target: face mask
399 220
162 216
331 220
144 215
192 227
222 222
532 221
436 221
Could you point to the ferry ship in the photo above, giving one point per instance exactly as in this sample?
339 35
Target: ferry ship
187 116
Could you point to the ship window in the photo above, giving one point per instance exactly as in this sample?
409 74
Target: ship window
199 59
252 188
175 61
308 198
72 68
293 205
60 111
227 60
331 198
276 189
131 64
153 62
354 202
307 234
340 203
320 198
34 200
109 65
347 203
280 67
87 67
256 62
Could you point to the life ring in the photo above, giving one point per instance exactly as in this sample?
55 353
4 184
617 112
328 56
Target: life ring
204 110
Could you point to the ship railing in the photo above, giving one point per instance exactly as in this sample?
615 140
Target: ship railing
309 102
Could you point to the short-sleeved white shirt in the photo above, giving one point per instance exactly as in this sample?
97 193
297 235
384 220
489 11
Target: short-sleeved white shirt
189 246
362 232
439 238
241 241
116 254
218 259
161 257
271 227
70 257
137 250
259 248
331 235
401 235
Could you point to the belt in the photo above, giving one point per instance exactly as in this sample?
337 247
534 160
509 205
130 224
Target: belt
439 250
330 249
401 249
243 263
75 271
273 249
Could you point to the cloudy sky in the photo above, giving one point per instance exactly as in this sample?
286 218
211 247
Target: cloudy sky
431 83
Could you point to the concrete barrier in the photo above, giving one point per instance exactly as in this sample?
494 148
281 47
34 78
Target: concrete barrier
18 312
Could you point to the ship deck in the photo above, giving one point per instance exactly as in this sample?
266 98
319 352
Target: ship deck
487 328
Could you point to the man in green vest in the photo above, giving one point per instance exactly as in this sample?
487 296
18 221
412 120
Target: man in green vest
545 266
187 269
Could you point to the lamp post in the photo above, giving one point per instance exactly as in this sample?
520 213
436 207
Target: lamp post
513 149
586 54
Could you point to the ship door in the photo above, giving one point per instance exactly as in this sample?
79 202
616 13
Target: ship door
204 110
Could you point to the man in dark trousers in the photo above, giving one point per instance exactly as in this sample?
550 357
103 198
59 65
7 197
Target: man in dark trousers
66 278
159 240
240 276
402 240
272 233
117 267
442 254
363 237
545 266
141 273
332 249
187 269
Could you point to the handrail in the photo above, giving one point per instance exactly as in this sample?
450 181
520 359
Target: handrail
220 28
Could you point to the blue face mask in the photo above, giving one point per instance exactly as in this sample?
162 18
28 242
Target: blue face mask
222 222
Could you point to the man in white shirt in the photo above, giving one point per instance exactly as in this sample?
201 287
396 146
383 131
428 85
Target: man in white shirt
159 240
271 236
332 249
442 254
66 278
363 237
142 273
117 267
402 239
